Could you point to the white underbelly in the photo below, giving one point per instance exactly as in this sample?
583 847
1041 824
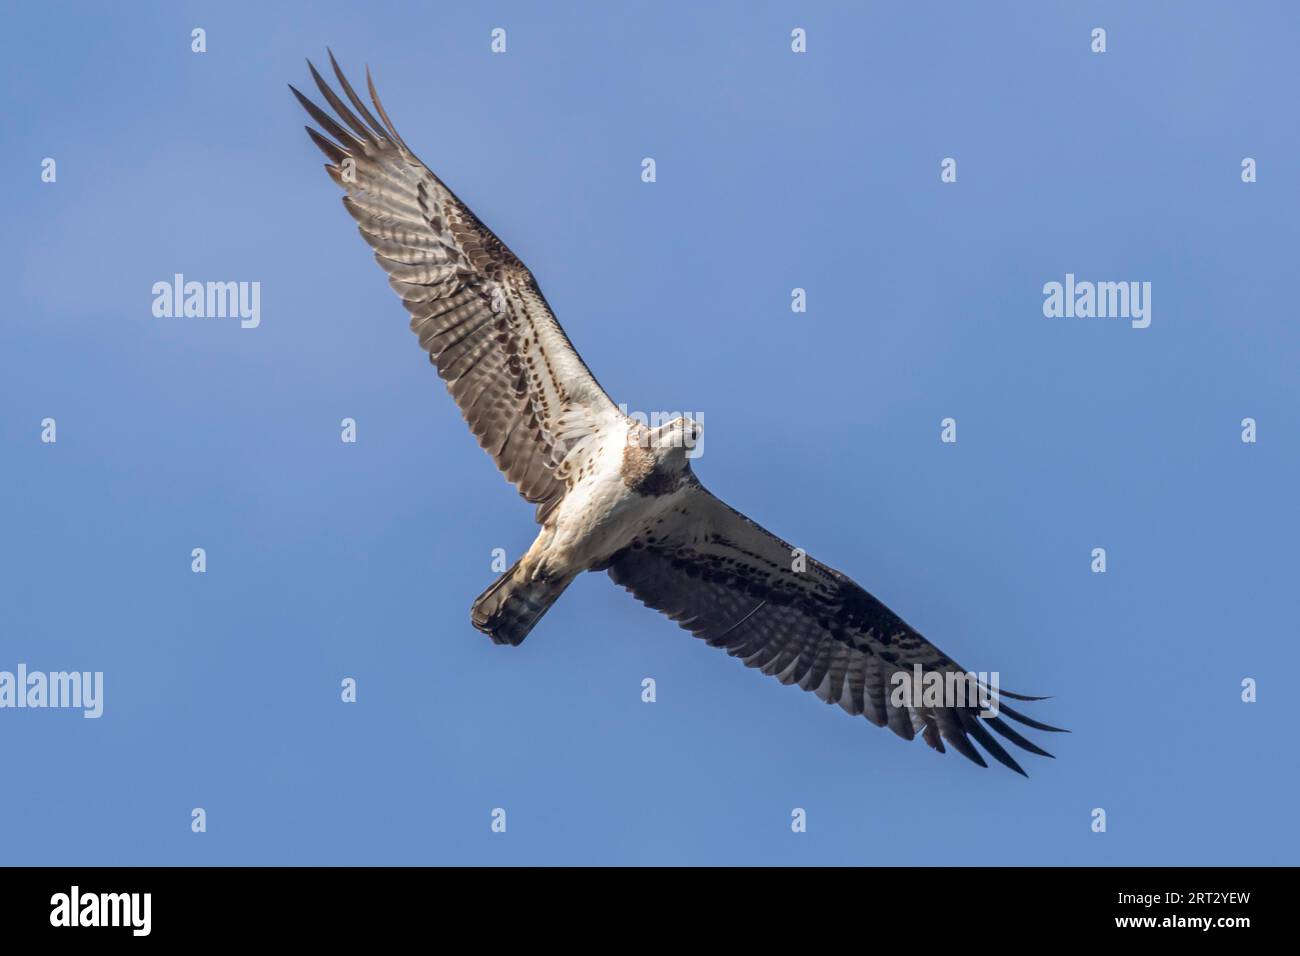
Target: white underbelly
597 518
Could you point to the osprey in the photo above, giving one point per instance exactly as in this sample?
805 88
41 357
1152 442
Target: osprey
613 494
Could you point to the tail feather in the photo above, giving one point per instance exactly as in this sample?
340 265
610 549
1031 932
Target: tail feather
512 606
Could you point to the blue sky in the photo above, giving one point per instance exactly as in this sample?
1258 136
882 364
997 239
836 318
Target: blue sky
821 171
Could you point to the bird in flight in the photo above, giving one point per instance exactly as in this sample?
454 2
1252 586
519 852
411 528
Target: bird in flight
613 494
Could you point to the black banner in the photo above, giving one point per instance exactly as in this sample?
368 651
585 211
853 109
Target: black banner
938 906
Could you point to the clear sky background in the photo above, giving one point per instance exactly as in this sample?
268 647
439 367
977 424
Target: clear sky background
775 171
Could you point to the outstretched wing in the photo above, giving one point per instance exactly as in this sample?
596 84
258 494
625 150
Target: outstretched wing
734 584
526 394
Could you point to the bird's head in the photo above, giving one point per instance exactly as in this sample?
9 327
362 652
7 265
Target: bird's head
676 441
656 460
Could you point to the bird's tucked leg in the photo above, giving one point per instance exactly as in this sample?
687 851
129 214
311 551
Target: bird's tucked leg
513 605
